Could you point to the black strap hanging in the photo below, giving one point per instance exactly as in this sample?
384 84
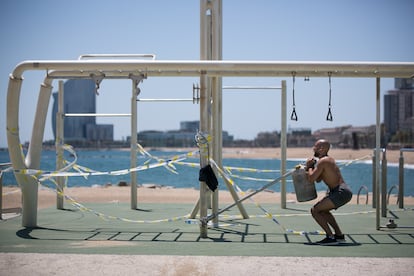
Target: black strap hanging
293 116
207 175
329 116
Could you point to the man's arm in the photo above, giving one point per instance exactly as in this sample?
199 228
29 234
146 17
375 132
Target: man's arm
315 174
319 179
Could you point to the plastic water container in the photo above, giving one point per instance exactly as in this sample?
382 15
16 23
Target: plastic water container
304 190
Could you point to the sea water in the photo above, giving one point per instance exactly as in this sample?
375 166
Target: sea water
356 174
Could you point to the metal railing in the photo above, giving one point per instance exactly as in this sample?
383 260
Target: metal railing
365 188
384 194
401 177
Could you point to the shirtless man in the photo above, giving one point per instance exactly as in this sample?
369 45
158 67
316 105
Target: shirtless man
339 193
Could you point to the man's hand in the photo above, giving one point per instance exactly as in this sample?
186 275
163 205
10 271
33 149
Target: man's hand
310 163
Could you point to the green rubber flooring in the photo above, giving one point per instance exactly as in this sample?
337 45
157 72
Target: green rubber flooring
162 229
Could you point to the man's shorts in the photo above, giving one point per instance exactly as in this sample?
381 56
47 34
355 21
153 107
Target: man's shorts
340 195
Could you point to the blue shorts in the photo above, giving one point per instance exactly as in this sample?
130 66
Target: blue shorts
340 195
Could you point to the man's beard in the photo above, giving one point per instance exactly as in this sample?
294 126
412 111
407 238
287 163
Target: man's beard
316 154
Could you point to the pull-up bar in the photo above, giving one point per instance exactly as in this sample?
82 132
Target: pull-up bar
116 56
195 99
165 100
252 87
97 114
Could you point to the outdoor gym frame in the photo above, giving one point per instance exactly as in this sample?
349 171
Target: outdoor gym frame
137 70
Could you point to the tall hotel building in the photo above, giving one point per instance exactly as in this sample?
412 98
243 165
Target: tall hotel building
79 97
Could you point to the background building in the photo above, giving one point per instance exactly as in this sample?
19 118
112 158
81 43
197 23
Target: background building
183 137
399 113
300 137
79 97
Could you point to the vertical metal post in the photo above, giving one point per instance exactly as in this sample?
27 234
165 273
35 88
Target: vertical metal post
283 145
134 140
58 143
204 127
374 180
217 142
211 89
401 181
384 184
205 45
29 185
377 149
215 35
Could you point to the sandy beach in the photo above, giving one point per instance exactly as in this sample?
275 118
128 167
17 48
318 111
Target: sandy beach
152 194
303 153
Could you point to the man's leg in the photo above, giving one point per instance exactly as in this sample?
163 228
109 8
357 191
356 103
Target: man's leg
321 214
332 222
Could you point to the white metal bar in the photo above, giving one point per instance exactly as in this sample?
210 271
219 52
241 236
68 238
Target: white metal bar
97 114
252 87
88 56
165 100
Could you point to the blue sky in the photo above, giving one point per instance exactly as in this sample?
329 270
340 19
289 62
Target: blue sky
341 30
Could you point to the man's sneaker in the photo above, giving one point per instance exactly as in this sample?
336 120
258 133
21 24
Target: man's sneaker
328 241
340 238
